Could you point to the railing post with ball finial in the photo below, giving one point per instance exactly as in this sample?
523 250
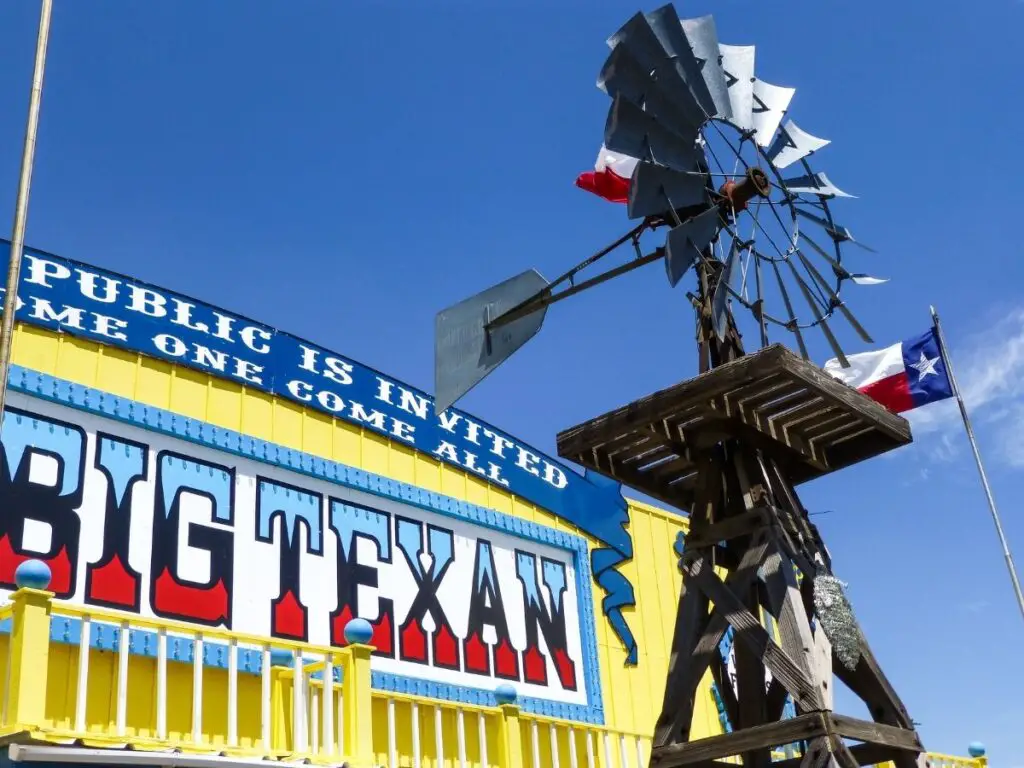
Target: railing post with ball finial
510 740
977 751
30 646
356 693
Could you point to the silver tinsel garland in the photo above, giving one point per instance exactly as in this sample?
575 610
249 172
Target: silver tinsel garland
835 614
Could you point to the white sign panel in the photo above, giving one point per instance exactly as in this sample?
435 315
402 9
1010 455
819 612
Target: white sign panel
139 520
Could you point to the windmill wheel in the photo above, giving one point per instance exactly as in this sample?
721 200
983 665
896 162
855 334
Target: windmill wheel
735 184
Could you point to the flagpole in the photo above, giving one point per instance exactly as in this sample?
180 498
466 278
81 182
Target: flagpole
977 458
21 203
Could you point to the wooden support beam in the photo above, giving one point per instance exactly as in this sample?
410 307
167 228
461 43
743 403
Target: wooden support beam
800 728
788 607
876 733
720 674
793 451
744 524
757 640
767 399
750 679
694 642
692 620
683 674
806 727
670 494
775 700
818 754
863 754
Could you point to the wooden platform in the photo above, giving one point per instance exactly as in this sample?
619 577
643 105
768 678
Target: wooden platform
811 423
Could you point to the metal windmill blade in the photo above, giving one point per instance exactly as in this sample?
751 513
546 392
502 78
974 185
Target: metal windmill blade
738 70
680 101
756 111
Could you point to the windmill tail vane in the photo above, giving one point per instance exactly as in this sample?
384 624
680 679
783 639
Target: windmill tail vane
708 157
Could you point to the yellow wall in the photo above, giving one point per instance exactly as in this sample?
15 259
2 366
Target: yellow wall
632 695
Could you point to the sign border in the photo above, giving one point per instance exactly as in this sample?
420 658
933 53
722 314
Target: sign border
151 418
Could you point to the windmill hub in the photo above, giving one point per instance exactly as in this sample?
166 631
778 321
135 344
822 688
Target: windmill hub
739 193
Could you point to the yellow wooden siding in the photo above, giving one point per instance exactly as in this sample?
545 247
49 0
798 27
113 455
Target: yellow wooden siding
632 695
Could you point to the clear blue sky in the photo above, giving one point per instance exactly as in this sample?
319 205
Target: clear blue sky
344 172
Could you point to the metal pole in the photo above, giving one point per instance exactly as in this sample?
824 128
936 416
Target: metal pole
21 205
977 458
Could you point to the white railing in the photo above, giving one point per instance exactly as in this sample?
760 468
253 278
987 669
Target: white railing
302 707
250 696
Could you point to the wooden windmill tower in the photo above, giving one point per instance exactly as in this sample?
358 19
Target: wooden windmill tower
729 446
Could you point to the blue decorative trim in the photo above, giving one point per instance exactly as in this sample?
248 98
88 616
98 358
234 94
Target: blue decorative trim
139 415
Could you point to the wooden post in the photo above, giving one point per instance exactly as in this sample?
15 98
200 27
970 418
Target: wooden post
356 692
280 671
510 738
30 646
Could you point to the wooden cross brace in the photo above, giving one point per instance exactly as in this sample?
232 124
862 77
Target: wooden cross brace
769 540
729 446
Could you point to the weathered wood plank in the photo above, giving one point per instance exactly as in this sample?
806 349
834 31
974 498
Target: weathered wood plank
776 700
756 638
798 728
790 447
876 733
818 754
864 754
840 394
656 454
670 470
771 361
839 423
757 396
692 619
825 413
670 401
677 496
701 637
730 528
753 706
720 674
683 675
758 386
841 755
794 627
786 414
785 405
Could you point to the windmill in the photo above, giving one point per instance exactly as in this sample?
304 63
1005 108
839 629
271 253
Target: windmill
717 171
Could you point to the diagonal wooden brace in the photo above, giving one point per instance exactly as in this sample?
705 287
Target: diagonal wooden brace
695 642
756 638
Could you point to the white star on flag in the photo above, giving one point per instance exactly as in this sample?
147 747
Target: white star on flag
925 366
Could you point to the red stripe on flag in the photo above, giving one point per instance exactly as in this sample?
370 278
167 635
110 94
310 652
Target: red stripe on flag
893 392
606 184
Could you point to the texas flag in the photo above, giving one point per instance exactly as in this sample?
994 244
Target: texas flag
901 377
611 176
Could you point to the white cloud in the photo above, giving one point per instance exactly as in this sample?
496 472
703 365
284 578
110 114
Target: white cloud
989 365
975 606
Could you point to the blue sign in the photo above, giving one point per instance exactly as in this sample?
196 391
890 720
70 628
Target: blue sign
73 298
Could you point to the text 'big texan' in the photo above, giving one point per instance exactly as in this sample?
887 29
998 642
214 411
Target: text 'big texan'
142 522
63 295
